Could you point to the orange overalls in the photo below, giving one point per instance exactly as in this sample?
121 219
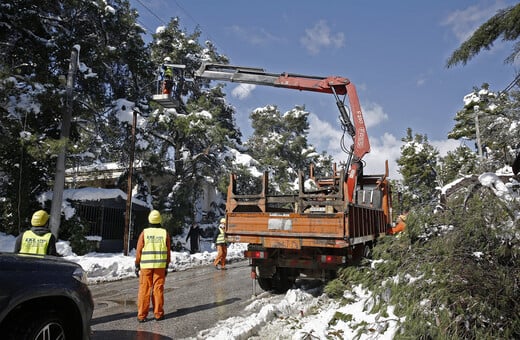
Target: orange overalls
221 248
153 257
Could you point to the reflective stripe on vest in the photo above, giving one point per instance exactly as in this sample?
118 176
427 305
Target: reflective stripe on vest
154 252
34 244
221 238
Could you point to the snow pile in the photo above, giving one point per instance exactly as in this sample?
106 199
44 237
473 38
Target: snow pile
104 267
299 315
295 315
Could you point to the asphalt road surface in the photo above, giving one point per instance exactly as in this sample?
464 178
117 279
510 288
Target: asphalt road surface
194 300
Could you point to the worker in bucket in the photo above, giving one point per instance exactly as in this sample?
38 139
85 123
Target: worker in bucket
167 84
152 258
220 241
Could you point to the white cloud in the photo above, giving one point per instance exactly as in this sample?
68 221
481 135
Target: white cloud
464 22
443 146
382 149
423 78
320 36
326 137
373 114
243 91
254 35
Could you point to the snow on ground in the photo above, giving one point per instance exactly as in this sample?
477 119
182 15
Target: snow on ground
296 315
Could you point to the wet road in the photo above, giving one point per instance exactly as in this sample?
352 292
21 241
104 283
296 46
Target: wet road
194 300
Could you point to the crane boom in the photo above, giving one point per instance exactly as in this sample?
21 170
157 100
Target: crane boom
333 85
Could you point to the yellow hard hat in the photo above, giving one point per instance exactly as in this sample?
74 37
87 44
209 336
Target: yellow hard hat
222 220
39 218
154 217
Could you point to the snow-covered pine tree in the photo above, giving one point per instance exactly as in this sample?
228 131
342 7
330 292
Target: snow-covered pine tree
34 62
279 143
499 131
418 166
187 146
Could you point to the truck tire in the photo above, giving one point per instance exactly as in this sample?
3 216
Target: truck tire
281 281
265 283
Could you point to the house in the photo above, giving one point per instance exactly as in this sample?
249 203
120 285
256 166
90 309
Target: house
92 194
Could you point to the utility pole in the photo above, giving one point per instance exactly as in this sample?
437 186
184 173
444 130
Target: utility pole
128 213
59 177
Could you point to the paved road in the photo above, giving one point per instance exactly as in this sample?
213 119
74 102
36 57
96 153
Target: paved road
194 300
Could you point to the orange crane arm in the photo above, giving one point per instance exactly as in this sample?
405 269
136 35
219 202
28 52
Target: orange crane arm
333 85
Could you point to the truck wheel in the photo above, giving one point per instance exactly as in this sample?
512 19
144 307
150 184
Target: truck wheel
281 281
265 283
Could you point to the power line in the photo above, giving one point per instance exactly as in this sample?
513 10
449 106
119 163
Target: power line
196 23
186 12
187 15
144 25
512 84
152 12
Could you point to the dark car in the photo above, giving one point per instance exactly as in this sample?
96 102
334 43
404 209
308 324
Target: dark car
43 298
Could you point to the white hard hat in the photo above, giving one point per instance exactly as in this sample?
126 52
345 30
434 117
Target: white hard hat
168 59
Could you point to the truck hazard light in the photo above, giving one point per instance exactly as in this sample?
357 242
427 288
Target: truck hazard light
255 254
333 259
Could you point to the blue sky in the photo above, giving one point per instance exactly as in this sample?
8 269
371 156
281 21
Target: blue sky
395 53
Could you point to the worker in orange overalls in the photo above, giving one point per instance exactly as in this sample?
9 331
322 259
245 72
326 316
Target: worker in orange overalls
401 224
152 258
167 84
221 243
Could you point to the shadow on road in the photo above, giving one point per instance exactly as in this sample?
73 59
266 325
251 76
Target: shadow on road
130 335
184 311
178 312
113 317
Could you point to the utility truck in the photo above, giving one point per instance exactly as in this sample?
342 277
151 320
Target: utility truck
312 232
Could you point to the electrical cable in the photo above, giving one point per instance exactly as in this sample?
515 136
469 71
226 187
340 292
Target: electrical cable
186 13
152 12
512 84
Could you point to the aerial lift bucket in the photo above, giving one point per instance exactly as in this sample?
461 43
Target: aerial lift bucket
165 99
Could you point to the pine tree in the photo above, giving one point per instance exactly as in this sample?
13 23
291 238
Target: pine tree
184 145
457 163
497 115
418 166
279 144
503 24
34 61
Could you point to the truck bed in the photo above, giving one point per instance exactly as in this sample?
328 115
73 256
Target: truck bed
309 219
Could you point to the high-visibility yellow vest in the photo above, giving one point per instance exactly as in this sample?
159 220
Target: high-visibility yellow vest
154 252
221 238
34 244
